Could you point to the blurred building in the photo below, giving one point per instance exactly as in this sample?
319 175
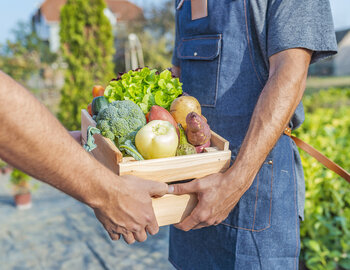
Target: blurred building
342 59
46 20
338 65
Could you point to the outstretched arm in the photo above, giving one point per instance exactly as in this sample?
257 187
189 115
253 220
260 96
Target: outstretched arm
219 193
34 141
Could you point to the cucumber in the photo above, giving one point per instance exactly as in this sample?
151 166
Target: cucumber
98 104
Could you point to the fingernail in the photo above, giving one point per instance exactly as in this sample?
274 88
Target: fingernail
171 189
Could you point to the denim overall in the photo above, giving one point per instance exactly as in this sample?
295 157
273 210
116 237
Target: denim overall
218 68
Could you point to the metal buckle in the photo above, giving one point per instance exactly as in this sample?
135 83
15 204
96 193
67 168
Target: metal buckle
180 4
288 131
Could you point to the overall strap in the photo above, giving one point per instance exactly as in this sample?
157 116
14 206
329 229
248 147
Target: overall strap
317 155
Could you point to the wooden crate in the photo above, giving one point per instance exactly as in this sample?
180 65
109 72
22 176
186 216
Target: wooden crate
169 209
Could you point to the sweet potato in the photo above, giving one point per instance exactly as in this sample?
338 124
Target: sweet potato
198 131
159 113
200 148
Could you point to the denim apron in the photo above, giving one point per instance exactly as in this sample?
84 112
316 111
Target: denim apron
219 69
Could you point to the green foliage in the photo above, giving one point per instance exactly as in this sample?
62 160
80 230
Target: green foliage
19 178
146 88
325 232
87 49
3 164
26 54
20 181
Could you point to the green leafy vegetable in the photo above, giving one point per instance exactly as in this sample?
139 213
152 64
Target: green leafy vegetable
145 87
90 145
129 148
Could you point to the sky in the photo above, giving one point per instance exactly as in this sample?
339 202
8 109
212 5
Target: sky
12 11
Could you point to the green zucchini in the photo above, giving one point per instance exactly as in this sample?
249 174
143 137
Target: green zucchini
98 104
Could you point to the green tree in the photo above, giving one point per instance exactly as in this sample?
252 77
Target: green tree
87 49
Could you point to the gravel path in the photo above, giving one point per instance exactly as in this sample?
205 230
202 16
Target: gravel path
61 233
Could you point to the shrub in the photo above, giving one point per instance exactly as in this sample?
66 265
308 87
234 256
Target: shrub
20 181
325 232
87 49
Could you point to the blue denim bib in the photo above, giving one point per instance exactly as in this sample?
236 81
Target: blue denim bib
219 67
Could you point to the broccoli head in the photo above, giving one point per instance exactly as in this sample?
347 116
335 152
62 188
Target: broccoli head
120 121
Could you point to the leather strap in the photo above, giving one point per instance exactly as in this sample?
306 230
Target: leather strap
317 155
199 9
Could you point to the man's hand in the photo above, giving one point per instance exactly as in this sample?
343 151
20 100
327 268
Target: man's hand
217 195
32 140
126 208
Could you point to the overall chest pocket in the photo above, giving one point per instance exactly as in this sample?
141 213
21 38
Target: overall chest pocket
200 67
253 211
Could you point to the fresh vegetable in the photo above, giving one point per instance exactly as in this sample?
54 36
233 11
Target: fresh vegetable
159 113
157 139
90 144
120 119
89 109
145 87
184 147
198 131
98 90
182 106
98 104
120 122
129 148
200 148
147 117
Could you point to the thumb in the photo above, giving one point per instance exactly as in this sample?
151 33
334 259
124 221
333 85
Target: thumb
185 188
157 189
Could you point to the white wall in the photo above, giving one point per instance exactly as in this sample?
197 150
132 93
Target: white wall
54 37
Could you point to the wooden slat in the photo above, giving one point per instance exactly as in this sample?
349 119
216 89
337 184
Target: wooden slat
210 149
171 209
218 141
178 168
86 121
128 159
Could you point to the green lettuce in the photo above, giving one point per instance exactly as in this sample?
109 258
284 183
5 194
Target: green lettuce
146 87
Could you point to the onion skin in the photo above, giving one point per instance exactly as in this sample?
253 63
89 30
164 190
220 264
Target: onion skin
182 106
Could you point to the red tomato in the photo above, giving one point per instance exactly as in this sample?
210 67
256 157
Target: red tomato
89 108
147 117
98 90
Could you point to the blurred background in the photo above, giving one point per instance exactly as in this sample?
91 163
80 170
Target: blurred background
59 55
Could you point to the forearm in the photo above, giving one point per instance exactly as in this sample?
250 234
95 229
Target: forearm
34 141
274 109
